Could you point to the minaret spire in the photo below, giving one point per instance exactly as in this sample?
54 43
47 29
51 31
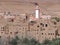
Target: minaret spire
37 11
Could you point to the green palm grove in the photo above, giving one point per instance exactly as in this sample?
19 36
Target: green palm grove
26 41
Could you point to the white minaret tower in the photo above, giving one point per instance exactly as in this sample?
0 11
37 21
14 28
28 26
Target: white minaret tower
37 11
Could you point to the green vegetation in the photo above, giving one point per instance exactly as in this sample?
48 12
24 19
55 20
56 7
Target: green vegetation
14 41
57 19
24 41
32 41
52 42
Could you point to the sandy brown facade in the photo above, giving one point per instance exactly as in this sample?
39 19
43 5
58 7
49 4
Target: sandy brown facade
15 20
39 29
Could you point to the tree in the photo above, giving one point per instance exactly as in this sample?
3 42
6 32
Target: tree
34 42
57 19
56 41
46 42
14 41
30 42
26 41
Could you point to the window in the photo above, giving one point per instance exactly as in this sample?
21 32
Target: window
58 34
11 20
55 23
43 28
1 32
2 28
0 36
8 12
10 32
28 30
16 32
42 33
46 25
40 23
43 25
37 32
48 33
53 33
38 26
26 17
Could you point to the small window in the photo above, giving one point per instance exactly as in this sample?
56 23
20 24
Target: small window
55 23
26 17
16 32
12 20
0 36
10 32
42 24
46 25
48 33
37 32
45 33
1 32
53 33
8 12
28 30
38 26
42 33
2 28
43 28
58 34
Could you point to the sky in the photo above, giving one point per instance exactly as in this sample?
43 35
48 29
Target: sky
54 1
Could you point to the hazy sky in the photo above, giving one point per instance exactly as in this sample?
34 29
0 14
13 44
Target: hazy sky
54 1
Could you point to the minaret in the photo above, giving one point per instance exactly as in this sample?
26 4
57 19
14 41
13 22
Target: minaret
37 11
